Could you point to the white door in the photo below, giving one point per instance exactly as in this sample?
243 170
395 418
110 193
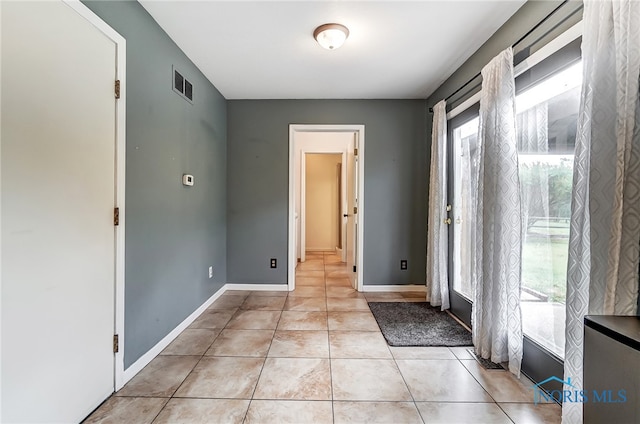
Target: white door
57 196
352 210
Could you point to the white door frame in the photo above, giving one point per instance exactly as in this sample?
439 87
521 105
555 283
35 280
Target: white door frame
302 128
121 55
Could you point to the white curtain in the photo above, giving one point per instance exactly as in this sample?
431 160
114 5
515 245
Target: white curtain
602 276
437 236
469 198
496 316
532 140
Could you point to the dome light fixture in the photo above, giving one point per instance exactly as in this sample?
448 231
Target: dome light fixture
331 36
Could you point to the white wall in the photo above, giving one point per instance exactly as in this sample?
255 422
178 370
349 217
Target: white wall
322 190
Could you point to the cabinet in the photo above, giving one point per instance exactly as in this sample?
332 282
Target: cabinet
612 369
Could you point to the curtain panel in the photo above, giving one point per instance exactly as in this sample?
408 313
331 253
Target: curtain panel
604 250
532 127
496 318
438 235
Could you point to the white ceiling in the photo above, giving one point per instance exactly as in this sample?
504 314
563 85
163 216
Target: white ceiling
265 49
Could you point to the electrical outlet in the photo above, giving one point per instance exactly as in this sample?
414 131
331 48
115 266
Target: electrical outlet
403 264
210 272
274 263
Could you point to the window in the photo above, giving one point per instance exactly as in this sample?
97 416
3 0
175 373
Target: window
546 121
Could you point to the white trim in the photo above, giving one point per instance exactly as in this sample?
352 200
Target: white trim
121 66
302 218
292 257
292 260
547 50
1 290
397 288
463 106
257 287
344 225
360 203
144 360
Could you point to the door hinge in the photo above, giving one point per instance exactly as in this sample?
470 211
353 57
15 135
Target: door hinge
355 209
116 344
354 268
116 216
355 152
117 89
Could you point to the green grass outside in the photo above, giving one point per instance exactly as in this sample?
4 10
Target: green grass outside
544 259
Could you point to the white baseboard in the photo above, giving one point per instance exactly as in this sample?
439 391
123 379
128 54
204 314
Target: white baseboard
396 288
144 360
257 287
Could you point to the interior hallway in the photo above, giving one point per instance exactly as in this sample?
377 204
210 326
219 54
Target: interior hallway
314 355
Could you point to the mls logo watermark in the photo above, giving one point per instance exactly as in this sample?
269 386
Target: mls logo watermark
574 395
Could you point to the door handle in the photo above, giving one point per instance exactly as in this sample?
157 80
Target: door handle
346 215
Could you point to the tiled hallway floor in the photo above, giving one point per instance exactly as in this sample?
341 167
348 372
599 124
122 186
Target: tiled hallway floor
314 355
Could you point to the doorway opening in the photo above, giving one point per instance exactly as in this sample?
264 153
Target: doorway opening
332 157
323 218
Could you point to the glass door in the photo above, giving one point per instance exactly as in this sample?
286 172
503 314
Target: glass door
463 133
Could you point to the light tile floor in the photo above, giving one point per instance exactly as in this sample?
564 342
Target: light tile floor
315 355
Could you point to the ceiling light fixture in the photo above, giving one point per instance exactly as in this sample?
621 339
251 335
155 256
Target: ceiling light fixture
331 36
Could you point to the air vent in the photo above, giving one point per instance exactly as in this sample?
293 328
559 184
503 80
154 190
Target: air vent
178 82
188 90
182 86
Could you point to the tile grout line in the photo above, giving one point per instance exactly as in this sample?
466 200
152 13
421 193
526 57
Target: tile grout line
265 358
326 302
505 413
161 409
406 384
189 373
479 383
253 393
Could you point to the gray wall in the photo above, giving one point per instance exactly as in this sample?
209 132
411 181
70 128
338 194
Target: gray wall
173 233
396 164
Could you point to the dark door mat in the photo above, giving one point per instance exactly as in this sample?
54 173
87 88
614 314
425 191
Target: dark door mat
418 324
486 364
